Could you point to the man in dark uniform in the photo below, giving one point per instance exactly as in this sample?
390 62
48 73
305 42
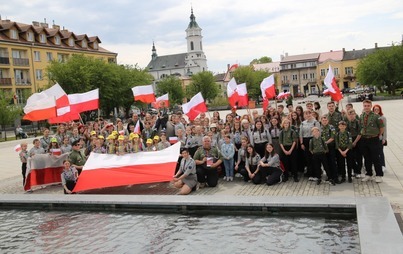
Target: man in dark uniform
372 128
333 116
76 157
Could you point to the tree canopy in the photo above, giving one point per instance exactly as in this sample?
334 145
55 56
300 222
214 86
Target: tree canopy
81 74
173 86
9 112
203 82
263 59
252 78
383 69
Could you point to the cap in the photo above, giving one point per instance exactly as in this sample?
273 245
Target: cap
213 125
93 133
149 141
342 123
133 135
114 133
121 137
156 137
75 142
111 136
53 140
101 137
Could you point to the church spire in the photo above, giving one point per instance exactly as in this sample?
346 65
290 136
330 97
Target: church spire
154 52
193 23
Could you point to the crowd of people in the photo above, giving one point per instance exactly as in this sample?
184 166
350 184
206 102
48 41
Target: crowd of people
280 143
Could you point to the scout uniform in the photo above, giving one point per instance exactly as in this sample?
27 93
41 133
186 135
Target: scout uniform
318 148
204 172
334 119
371 129
329 132
287 138
343 142
45 142
77 158
188 168
354 127
259 141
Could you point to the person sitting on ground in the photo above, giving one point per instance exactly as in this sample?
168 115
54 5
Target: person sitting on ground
207 159
186 178
69 177
270 166
250 171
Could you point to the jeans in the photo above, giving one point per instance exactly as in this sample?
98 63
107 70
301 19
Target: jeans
229 167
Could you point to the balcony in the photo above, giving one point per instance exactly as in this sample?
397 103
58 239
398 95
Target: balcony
4 60
349 76
21 61
22 82
5 82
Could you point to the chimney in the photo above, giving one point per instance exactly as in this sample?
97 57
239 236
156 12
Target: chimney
228 65
344 50
56 27
281 57
286 54
35 23
376 45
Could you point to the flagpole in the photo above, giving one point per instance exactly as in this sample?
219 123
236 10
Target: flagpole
81 120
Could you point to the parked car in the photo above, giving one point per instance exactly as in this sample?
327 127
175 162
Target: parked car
346 90
357 90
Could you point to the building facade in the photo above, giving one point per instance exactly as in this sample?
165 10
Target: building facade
26 50
182 64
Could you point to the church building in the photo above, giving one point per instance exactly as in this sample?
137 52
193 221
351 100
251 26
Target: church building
182 64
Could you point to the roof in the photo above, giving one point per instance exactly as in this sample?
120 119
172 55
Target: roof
298 58
193 23
168 62
358 54
270 67
332 55
219 77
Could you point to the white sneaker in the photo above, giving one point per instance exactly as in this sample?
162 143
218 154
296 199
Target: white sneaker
383 168
366 179
238 175
314 179
378 179
310 179
224 178
231 179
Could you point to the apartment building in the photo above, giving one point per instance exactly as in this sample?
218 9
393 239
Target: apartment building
27 49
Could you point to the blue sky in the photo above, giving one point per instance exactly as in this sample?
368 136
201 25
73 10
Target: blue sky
234 31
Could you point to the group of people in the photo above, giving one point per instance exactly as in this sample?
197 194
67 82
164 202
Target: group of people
259 148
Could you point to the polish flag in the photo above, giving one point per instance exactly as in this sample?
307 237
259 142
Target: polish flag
144 93
267 87
56 151
265 104
110 170
173 140
17 148
232 92
332 87
47 104
137 128
163 98
79 102
195 106
283 95
243 99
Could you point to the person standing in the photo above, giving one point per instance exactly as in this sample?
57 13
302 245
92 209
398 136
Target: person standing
318 148
228 152
76 157
344 145
333 116
260 137
305 135
372 129
24 158
328 133
377 109
354 127
288 143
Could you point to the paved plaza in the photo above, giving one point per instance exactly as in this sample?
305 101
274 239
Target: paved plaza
391 188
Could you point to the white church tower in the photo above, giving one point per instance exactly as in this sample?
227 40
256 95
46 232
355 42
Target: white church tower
195 60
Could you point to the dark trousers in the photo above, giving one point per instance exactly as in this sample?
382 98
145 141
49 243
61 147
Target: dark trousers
300 158
289 161
260 148
161 122
381 154
70 186
333 172
370 150
357 157
341 164
308 157
272 174
257 179
207 175
318 160
242 171
23 171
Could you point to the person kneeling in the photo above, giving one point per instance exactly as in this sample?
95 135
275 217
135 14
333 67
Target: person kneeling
186 179
69 177
269 166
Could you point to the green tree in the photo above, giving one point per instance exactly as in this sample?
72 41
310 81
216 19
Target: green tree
383 69
9 112
263 59
173 86
203 82
246 74
81 73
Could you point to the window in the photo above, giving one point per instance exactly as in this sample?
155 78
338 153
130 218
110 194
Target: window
336 71
38 74
57 40
285 78
37 56
71 42
95 45
30 36
348 70
322 72
13 34
294 77
21 95
62 57
49 56
311 75
191 45
42 38
84 44
305 76
201 46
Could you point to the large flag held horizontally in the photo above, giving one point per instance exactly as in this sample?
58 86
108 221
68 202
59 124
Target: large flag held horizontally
232 92
144 93
243 99
195 106
268 87
164 98
110 170
49 103
79 102
331 86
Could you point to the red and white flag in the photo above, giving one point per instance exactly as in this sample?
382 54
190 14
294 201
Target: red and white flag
268 87
144 93
331 86
109 170
79 102
56 151
243 99
283 95
137 127
17 148
195 106
49 103
265 104
232 92
173 140
164 98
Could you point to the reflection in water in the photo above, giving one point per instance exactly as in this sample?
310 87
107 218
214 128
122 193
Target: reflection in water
102 232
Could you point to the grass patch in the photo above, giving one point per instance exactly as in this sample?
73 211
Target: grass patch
8 139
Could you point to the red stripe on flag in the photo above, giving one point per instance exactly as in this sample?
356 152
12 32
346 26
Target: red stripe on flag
146 98
43 176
